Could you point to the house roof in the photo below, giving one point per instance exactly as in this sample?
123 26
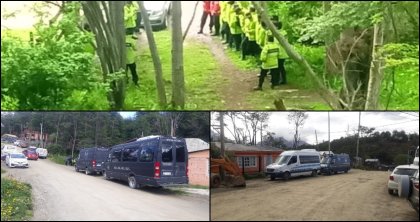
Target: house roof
195 144
241 147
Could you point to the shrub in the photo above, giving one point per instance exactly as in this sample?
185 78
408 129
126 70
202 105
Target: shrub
16 200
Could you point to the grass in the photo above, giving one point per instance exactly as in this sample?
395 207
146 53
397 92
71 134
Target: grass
198 187
57 158
200 70
16 200
2 171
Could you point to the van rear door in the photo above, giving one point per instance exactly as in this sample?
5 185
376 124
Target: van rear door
174 158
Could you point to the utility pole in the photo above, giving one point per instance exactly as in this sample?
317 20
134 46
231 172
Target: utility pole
41 137
316 138
222 135
358 137
329 141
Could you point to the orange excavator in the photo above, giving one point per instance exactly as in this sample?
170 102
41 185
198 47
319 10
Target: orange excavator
227 172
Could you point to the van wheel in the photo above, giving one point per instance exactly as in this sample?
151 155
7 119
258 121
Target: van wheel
132 183
391 191
215 181
87 172
314 173
272 177
286 176
76 169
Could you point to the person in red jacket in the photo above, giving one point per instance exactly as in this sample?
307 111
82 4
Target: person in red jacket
215 17
206 13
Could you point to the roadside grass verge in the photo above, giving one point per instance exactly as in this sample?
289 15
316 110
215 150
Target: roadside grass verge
57 158
16 200
198 187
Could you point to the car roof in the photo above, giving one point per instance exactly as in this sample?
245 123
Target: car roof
411 166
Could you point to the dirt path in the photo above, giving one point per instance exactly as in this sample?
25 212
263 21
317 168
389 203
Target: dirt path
62 194
358 195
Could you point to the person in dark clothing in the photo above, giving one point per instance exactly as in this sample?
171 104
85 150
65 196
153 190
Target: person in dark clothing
69 161
131 47
215 15
282 58
206 14
235 29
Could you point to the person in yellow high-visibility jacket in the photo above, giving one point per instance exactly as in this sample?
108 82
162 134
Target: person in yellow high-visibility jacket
235 28
130 16
269 59
228 14
131 55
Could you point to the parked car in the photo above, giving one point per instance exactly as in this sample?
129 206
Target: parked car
155 161
31 154
91 160
8 149
22 144
409 189
334 163
395 177
294 163
16 160
42 153
158 12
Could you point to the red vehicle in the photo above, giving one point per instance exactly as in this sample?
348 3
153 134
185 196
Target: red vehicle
31 154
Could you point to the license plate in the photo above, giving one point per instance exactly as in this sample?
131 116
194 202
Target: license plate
167 173
98 165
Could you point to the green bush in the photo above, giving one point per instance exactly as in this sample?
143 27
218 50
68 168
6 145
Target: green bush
58 158
16 200
55 149
401 159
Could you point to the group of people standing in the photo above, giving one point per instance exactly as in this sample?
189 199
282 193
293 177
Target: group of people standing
242 29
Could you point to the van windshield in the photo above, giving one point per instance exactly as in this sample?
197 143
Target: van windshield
282 160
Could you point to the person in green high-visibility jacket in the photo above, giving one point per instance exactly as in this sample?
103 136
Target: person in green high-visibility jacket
131 55
235 28
130 16
283 55
269 59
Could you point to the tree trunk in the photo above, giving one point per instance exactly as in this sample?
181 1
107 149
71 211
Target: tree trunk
178 84
376 70
58 127
74 136
155 57
329 97
106 20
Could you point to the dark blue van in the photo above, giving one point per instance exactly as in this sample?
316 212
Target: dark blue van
155 161
334 163
91 160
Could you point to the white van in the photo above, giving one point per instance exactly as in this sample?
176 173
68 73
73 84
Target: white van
416 157
294 163
42 153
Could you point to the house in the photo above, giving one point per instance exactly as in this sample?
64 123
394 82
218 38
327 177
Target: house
198 161
35 136
251 159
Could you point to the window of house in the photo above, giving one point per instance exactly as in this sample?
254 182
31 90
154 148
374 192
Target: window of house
249 161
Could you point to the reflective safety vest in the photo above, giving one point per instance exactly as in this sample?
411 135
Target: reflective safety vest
270 55
130 15
235 24
131 49
223 12
250 29
283 54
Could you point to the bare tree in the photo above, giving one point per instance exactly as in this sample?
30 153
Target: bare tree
298 120
106 20
155 56
178 84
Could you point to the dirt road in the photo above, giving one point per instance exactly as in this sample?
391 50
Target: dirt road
358 195
61 194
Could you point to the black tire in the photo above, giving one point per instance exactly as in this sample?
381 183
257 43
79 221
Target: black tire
314 173
391 191
272 177
215 181
132 183
286 176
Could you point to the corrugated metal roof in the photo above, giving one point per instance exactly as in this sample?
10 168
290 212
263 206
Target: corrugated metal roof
241 147
195 144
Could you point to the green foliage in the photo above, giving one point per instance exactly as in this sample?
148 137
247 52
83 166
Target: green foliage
401 159
54 149
16 200
58 158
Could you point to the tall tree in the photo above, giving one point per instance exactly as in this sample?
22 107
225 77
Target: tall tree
297 119
178 82
106 20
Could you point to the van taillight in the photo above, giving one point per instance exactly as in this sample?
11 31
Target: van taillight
391 177
93 163
157 170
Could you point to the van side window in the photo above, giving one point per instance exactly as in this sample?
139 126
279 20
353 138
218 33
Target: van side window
116 156
146 155
293 160
309 159
180 152
166 151
130 154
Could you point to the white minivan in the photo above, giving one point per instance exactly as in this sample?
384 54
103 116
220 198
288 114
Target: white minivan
42 153
294 163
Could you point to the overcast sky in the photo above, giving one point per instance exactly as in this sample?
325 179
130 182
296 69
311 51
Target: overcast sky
340 122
